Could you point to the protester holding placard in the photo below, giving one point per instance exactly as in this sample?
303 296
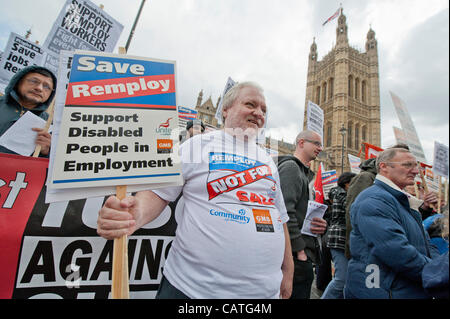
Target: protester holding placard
31 89
232 239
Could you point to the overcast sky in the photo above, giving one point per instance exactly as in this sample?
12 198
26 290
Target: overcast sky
268 42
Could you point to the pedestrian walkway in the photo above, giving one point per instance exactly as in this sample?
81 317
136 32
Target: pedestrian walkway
315 292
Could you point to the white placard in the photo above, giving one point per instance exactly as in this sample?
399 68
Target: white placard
228 86
354 163
83 25
19 53
118 130
440 159
314 118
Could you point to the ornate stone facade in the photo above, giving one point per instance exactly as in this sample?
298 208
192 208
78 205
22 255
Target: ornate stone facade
207 111
345 84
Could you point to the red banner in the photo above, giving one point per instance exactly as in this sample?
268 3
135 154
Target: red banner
53 250
21 181
371 151
318 187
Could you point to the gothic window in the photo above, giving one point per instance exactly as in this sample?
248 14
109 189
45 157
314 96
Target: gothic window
350 86
324 92
330 88
364 133
329 133
349 134
318 95
363 91
356 88
357 136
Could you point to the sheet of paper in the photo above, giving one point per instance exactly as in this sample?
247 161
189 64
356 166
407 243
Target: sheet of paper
315 209
20 137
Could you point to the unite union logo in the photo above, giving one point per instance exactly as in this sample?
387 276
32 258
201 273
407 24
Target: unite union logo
166 123
163 128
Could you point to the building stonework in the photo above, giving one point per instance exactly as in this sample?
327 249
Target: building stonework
207 111
345 84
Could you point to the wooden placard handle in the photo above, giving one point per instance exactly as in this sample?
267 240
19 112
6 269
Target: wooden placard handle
425 186
50 112
120 285
439 195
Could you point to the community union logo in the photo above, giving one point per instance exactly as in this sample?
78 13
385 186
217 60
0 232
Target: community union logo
240 217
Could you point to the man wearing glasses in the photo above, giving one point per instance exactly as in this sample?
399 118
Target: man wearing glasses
388 243
31 89
295 177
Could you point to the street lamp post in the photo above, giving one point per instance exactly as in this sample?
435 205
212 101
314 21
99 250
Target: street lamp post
343 131
134 26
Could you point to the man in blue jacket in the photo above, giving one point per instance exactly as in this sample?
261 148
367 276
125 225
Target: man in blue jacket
30 90
388 243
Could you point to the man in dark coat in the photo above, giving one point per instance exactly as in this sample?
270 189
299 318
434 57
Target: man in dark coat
360 182
388 243
295 177
31 89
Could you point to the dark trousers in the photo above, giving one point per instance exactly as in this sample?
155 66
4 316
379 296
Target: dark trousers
167 291
303 279
323 269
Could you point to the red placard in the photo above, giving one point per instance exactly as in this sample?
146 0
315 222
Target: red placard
21 181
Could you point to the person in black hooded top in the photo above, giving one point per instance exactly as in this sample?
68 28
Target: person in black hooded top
31 89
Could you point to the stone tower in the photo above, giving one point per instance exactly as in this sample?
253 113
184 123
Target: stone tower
207 111
345 84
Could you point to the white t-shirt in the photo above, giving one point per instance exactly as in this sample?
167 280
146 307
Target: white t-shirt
230 238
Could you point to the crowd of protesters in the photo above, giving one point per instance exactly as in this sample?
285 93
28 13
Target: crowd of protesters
384 242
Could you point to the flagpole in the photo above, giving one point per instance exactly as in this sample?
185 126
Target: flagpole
134 26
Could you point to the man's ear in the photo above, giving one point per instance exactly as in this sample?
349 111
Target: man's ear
382 166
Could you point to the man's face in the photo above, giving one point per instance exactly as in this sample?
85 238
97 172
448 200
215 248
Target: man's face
401 169
248 111
311 147
34 89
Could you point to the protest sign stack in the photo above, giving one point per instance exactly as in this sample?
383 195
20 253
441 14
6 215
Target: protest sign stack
115 124
185 115
19 53
80 25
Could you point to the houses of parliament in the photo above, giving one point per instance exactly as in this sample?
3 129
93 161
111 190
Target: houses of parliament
345 84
